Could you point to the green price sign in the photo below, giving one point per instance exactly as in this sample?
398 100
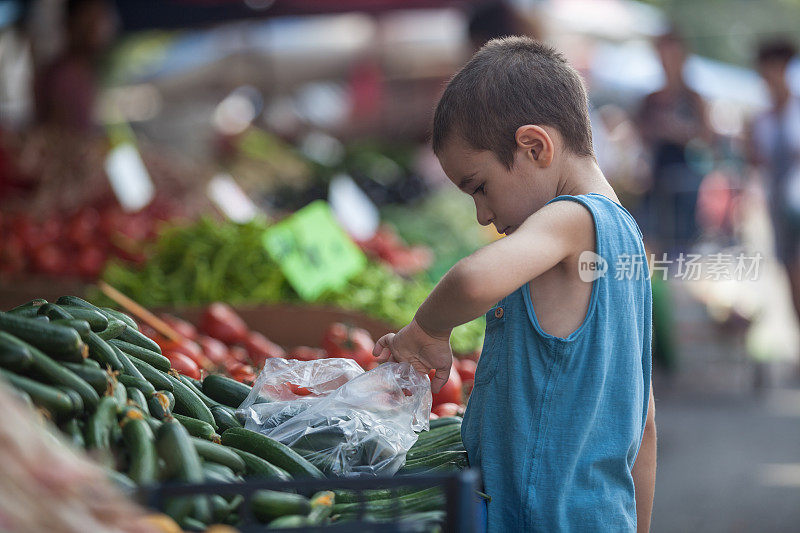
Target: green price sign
313 251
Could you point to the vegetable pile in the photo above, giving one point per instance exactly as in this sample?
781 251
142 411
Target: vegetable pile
108 389
222 261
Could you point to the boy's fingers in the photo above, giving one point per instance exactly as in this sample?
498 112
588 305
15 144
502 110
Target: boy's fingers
382 344
385 355
439 379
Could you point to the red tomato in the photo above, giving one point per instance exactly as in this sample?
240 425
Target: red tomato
466 369
451 391
221 322
238 354
181 326
50 259
241 372
260 348
188 348
306 353
341 340
183 364
298 390
215 350
447 409
434 416
91 261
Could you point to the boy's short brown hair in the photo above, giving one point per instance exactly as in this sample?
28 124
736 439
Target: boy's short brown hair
508 83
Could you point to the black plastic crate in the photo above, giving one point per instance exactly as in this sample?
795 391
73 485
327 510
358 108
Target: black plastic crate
461 506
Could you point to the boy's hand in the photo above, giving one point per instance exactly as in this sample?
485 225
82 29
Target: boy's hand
425 352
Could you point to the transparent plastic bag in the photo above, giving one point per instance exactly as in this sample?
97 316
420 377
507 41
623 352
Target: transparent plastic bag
363 427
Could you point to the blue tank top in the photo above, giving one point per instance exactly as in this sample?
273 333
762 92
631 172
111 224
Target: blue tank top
554 424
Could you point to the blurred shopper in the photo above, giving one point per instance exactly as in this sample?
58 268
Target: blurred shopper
670 119
775 147
66 89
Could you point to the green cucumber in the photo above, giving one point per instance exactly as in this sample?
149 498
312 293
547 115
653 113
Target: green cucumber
225 390
321 506
220 473
268 505
53 400
75 398
189 382
60 342
117 390
445 421
54 312
257 467
31 311
289 521
140 443
220 454
195 427
57 374
224 418
119 315
74 432
101 423
139 339
114 329
138 398
13 355
423 500
137 383
97 320
74 301
98 379
159 405
271 450
35 304
181 463
100 351
127 366
156 377
81 326
189 404
156 360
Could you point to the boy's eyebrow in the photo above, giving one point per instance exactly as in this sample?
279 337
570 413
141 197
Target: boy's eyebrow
466 180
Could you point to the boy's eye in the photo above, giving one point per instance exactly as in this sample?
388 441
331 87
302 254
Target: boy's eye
479 189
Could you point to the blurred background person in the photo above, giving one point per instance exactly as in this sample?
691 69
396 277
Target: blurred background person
774 147
669 120
66 88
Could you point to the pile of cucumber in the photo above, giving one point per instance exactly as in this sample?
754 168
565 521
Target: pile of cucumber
109 390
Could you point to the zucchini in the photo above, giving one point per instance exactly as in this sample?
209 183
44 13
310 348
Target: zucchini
114 329
13 355
96 378
137 338
257 467
81 326
57 374
97 320
289 521
225 390
127 366
156 377
100 351
53 400
268 505
140 443
156 360
195 427
159 405
72 428
181 463
321 507
224 418
138 398
187 403
101 423
119 315
271 450
137 383
217 453
58 341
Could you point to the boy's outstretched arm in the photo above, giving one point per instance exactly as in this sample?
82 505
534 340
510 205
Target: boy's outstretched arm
477 282
644 470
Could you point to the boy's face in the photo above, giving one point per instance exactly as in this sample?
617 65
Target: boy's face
505 198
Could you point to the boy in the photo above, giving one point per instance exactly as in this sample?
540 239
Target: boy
560 403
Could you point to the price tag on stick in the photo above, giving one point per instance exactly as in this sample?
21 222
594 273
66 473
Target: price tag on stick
313 251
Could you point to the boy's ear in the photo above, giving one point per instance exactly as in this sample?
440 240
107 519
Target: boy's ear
536 144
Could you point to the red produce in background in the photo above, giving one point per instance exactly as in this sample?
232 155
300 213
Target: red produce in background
306 353
181 326
260 348
341 340
447 409
466 369
451 391
214 349
221 322
183 364
237 354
